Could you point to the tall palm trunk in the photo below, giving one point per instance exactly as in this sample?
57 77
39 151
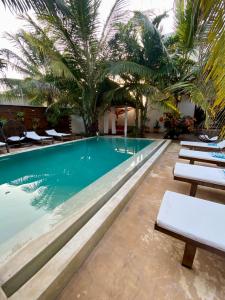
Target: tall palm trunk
89 111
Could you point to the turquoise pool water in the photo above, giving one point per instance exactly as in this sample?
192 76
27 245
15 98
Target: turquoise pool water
34 183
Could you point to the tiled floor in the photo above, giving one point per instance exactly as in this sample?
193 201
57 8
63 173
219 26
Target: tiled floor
134 262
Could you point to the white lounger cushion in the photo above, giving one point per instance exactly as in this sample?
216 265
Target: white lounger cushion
206 138
200 220
219 145
200 173
190 154
199 144
16 138
52 132
2 144
34 136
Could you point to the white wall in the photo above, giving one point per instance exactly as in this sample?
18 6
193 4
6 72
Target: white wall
131 118
77 124
186 107
153 115
120 120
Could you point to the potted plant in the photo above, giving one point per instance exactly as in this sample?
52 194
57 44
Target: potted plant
20 116
35 123
2 121
176 125
156 127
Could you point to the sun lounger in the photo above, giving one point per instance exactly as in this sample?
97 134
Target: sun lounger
203 156
204 146
55 134
16 138
199 175
38 138
206 138
199 223
2 144
13 132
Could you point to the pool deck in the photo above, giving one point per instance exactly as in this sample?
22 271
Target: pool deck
134 262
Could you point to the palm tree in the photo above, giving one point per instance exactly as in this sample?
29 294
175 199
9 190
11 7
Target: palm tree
73 54
213 18
83 49
163 67
146 67
39 85
21 6
201 31
187 17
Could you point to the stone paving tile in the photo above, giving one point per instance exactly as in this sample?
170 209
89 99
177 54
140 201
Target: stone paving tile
134 262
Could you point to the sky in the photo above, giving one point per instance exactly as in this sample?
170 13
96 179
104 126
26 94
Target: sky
10 23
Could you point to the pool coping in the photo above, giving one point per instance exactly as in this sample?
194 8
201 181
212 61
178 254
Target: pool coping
19 268
53 277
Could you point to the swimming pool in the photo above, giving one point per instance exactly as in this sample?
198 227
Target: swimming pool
34 183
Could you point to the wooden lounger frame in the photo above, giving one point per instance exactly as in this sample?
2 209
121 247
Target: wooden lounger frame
195 183
4 140
42 141
190 246
207 149
193 159
6 146
64 138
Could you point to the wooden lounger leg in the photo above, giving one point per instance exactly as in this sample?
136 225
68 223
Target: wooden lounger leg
193 189
192 162
189 255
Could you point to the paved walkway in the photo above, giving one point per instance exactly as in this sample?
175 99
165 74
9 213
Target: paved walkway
134 262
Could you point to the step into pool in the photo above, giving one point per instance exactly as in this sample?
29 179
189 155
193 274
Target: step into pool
34 184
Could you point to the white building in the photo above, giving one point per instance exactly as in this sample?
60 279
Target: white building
117 119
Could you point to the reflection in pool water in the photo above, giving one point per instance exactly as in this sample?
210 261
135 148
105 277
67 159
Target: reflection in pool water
34 183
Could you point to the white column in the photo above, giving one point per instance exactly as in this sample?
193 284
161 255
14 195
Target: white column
113 120
139 118
106 122
125 122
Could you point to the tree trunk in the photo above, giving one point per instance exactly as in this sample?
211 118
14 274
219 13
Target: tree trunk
136 120
89 111
143 118
92 124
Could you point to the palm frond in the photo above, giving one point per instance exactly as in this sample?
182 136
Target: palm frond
129 67
115 16
21 6
187 24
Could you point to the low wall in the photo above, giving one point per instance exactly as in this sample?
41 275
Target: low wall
9 112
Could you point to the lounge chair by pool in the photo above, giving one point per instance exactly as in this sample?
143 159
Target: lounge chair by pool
197 222
16 139
13 132
199 175
2 144
55 134
203 156
205 138
32 135
204 146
